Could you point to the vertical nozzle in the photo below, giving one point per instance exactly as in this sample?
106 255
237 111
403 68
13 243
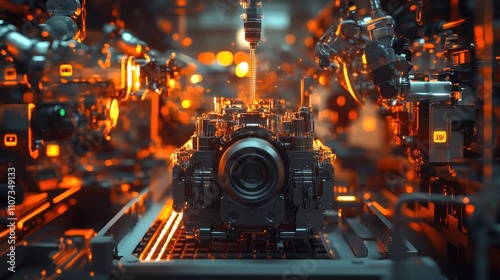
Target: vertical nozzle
252 26
252 21
376 9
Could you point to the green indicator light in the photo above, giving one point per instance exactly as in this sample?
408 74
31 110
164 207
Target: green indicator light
62 112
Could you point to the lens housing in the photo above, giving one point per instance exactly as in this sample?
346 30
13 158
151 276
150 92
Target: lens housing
252 171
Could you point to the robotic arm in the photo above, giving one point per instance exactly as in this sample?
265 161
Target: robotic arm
72 81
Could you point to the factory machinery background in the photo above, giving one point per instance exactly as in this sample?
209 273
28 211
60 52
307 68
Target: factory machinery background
325 139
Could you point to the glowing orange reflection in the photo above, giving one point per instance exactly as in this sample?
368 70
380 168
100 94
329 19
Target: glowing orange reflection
240 57
207 58
225 58
369 124
52 150
346 198
241 69
341 100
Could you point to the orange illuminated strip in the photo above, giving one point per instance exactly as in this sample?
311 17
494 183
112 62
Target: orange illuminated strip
479 35
32 214
384 211
123 71
162 234
346 198
349 86
86 233
33 153
65 194
163 216
173 230
10 83
129 75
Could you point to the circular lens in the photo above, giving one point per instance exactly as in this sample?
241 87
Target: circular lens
252 172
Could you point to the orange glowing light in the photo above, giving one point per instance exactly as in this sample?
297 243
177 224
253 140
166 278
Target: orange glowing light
164 231
196 78
176 36
316 99
70 182
240 57
369 124
186 104
469 209
184 117
173 230
241 69
439 136
66 70
33 152
341 100
125 187
53 150
62 209
309 42
114 111
186 42
334 116
383 210
86 233
416 227
225 58
479 35
349 86
130 74
171 83
20 224
10 73
353 115
10 140
319 32
137 78
312 25
290 39
367 195
466 200
322 80
65 194
346 198
207 58
108 162
409 189
363 58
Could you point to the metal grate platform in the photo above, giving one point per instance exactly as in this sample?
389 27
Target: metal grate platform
153 247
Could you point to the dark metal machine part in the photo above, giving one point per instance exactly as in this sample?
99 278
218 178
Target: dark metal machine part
348 244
